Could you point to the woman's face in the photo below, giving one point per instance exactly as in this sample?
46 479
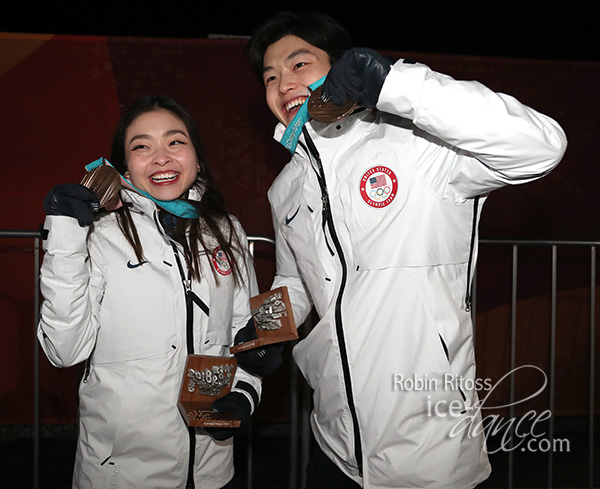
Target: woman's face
159 155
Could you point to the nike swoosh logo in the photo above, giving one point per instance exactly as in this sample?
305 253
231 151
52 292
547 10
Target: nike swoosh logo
135 265
290 219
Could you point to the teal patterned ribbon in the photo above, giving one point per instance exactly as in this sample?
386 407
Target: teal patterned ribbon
294 128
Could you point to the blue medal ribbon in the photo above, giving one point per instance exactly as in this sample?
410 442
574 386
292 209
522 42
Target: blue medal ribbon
294 128
176 207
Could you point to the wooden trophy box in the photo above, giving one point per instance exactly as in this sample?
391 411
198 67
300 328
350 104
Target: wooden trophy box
206 379
273 320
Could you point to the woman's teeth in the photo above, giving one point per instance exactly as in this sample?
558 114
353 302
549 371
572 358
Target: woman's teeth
164 177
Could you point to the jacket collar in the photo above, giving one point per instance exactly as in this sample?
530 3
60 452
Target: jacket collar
144 205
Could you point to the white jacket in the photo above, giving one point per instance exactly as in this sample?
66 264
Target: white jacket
389 274
130 320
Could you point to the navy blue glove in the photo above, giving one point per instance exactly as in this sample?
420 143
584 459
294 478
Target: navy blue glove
235 403
357 75
73 200
262 361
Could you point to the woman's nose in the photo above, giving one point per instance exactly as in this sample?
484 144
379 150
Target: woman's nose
161 157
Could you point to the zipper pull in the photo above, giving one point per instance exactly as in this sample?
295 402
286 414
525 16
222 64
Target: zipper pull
86 373
468 302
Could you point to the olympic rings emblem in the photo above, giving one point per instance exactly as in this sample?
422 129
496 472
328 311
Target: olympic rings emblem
378 186
380 193
221 262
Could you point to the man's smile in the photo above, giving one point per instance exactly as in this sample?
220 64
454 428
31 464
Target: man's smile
295 103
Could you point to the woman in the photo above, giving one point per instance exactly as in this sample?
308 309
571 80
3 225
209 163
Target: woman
123 291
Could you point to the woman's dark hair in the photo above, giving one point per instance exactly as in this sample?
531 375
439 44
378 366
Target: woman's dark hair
316 28
190 233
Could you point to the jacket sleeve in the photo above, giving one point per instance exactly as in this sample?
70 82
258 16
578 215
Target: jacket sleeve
244 382
72 294
287 275
484 139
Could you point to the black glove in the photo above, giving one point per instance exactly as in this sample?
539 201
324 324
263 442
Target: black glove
73 200
357 75
235 403
262 361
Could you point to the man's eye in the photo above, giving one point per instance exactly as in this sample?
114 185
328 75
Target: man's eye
299 65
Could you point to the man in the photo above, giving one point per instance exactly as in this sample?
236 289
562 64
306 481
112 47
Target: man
376 227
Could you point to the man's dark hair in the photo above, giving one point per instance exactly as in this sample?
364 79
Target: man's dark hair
316 28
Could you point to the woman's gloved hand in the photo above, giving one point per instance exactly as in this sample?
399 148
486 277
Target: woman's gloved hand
73 200
235 403
262 361
357 75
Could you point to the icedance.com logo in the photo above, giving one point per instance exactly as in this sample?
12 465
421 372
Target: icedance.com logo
524 433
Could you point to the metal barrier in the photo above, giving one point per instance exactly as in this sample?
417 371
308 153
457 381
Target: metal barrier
299 410
35 235
516 245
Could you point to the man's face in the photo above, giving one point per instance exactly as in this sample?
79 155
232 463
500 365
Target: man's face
290 65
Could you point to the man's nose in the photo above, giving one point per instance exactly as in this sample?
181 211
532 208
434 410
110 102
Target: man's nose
287 82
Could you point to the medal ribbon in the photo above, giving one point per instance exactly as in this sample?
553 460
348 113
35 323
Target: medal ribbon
294 128
177 207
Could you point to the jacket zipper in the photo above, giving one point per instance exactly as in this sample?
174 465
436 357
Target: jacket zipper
468 295
189 314
328 218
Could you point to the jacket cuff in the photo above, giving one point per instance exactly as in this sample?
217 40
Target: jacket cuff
249 391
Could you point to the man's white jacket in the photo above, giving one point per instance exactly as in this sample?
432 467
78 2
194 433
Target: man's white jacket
129 318
376 227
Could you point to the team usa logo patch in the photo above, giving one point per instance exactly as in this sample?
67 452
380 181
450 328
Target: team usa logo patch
378 186
220 261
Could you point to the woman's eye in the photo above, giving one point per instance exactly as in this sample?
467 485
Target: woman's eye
299 65
139 146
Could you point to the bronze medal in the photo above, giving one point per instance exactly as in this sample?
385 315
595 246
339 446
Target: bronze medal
104 181
328 112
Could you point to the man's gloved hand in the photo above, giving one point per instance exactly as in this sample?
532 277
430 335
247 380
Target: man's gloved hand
73 200
262 361
235 403
357 75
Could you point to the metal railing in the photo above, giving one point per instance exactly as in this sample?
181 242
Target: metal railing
300 408
36 236
515 246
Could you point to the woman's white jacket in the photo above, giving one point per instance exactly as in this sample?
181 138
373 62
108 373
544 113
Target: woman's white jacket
129 319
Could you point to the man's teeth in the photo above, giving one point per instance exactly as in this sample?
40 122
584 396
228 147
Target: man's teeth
164 177
294 103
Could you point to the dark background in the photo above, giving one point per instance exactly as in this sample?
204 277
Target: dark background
523 29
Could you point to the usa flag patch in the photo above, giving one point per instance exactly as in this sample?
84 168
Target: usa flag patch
220 261
378 186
